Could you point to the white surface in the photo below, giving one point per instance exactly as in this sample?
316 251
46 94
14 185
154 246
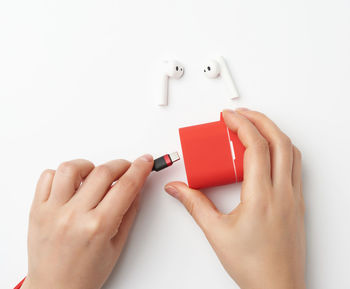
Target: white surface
76 80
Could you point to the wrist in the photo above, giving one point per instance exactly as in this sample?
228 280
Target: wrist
274 279
276 284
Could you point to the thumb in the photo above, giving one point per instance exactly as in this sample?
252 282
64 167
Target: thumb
197 204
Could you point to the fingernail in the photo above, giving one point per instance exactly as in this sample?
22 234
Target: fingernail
171 191
242 109
147 158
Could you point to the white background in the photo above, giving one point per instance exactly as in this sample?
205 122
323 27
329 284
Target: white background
77 80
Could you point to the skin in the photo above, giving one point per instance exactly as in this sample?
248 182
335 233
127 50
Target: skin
81 215
79 222
261 243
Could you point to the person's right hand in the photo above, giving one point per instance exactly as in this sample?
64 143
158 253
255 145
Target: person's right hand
261 243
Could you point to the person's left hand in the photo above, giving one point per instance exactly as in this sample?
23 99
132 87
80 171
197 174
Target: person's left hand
79 222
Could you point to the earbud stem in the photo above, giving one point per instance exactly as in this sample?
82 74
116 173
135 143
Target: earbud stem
227 77
163 96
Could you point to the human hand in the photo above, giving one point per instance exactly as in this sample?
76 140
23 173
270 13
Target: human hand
80 220
261 243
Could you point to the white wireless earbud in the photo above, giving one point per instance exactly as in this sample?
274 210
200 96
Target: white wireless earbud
169 69
214 68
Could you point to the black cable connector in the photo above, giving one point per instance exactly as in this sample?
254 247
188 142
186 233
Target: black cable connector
165 161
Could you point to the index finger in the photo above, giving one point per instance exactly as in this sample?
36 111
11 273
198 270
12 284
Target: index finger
119 198
257 166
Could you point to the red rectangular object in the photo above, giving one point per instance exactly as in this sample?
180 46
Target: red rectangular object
213 155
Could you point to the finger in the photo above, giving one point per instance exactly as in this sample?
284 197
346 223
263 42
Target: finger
119 198
281 147
197 204
121 235
68 178
98 182
43 187
296 175
257 167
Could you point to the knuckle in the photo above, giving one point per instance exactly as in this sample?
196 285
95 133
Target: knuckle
289 207
67 168
87 162
94 226
190 208
260 115
297 153
124 162
103 171
139 168
64 222
284 142
129 182
260 207
48 172
261 145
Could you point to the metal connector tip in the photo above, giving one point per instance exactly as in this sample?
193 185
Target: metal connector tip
174 157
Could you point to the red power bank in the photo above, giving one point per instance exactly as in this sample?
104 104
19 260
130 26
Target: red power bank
213 155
